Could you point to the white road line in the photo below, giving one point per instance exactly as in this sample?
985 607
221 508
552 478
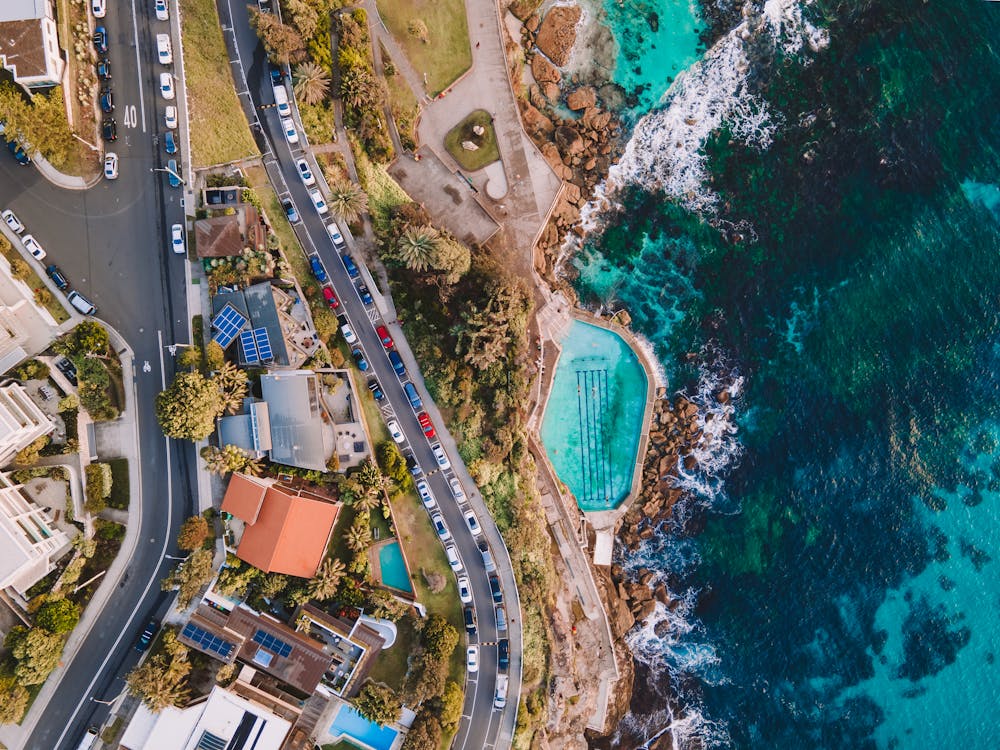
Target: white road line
138 66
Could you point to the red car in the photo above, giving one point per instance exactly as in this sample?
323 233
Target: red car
331 300
383 334
426 424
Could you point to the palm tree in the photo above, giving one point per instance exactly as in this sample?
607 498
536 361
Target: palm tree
324 584
369 499
359 89
359 537
233 383
347 201
312 83
416 246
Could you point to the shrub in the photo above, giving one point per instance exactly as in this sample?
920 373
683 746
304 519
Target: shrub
99 483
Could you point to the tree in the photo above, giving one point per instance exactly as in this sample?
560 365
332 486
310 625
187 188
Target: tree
189 357
99 483
189 406
214 356
418 30
452 258
359 536
368 500
347 201
451 704
304 15
360 89
439 637
378 702
40 121
392 461
29 454
272 585
283 43
228 459
19 269
69 402
13 701
234 384
190 576
425 734
31 369
58 616
193 533
489 329
37 652
159 682
416 247
324 584
87 338
311 83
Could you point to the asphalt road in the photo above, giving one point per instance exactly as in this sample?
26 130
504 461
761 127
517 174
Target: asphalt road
112 243
481 726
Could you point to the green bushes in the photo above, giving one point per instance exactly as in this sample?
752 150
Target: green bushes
88 346
99 482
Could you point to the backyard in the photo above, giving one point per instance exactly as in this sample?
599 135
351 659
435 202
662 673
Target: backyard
434 34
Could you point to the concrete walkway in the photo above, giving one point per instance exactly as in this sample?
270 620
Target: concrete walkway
53 175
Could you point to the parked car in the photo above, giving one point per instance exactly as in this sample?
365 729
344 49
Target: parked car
348 332
397 363
488 564
107 101
81 303
147 636
470 620
173 176
67 368
170 117
472 521
166 86
411 463
104 69
426 425
277 77
365 295
177 239
411 393
109 129
440 456
101 40
19 154
338 239
32 246
317 269
472 659
451 552
288 128
111 165
376 389
290 212
359 358
351 266
60 280
99 8
305 172
384 337
440 527
162 14
503 654
11 220
464 590
501 619
331 299
424 490
456 489
394 432
495 589
164 52
169 142
317 198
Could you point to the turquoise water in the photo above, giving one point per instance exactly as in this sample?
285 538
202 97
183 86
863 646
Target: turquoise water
657 39
394 574
357 728
593 417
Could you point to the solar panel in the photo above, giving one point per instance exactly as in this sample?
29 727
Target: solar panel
263 342
227 324
207 641
250 354
271 643
209 741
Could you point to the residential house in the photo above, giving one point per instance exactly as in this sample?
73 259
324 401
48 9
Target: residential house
226 235
29 542
29 43
21 421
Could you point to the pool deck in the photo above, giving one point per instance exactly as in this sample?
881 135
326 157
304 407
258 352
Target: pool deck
567 522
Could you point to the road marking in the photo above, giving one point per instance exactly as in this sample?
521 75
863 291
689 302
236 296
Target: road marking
138 66
129 118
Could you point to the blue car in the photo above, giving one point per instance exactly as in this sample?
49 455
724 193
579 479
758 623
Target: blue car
366 296
19 153
317 268
101 40
169 143
175 181
359 357
397 363
352 269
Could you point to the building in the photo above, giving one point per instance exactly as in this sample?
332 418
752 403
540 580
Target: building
252 317
286 423
26 327
29 43
283 530
222 719
29 543
225 236
21 421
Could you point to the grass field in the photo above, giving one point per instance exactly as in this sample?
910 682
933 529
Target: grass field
446 54
487 142
219 130
119 483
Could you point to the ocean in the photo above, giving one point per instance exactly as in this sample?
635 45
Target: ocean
808 215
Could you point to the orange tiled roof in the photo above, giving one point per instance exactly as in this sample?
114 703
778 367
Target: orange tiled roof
244 496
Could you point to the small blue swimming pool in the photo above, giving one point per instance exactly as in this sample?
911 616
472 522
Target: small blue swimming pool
349 724
390 560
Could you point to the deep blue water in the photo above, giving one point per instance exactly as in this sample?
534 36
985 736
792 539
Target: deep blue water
837 552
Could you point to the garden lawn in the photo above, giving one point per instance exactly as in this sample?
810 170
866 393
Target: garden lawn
446 54
119 483
384 193
487 142
219 130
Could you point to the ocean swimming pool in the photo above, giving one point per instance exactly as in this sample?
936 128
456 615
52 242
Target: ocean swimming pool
394 574
349 724
593 417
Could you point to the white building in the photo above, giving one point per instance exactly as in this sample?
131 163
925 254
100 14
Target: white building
29 543
222 720
29 43
21 421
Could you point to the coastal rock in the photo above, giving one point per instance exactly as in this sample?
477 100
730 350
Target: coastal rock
535 121
568 140
582 98
551 154
532 23
572 194
590 164
552 92
722 397
544 71
557 33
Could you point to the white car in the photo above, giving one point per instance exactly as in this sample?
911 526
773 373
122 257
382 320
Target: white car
305 172
349 336
170 118
472 521
338 239
99 8
288 128
456 489
32 246
166 86
162 14
317 199
111 165
440 456
177 238
11 220
163 49
425 495
453 559
464 590
472 659
439 526
394 431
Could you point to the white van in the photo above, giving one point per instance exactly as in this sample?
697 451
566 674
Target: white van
281 99
81 303
89 739
500 699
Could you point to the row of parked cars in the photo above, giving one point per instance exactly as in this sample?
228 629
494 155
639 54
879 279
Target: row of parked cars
81 303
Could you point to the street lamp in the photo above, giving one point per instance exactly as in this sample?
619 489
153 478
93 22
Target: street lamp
172 557
110 702
88 144
172 348
169 171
